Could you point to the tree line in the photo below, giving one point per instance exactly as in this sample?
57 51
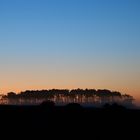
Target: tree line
99 96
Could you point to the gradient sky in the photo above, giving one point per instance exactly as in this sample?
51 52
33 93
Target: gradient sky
70 44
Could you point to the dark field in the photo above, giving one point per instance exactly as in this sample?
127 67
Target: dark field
71 120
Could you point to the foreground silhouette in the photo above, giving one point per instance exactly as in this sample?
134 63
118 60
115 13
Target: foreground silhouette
47 119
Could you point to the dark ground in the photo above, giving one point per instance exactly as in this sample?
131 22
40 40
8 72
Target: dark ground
71 121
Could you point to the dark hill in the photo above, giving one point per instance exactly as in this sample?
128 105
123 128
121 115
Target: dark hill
108 122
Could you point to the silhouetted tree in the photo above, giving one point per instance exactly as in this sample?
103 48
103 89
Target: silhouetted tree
48 103
11 95
73 96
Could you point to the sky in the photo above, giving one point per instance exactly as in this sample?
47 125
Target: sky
69 44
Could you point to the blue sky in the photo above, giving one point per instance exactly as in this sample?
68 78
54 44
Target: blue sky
98 38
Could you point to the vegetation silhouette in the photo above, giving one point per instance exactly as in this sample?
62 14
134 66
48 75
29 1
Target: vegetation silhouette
65 96
114 106
48 104
71 118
